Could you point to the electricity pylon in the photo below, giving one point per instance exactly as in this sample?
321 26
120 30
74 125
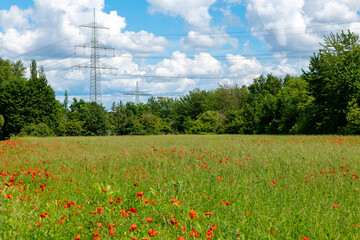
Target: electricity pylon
95 65
137 94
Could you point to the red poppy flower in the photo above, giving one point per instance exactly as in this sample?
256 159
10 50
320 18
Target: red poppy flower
194 234
99 210
111 232
133 210
273 183
173 222
152 232
209 234
149 219
77 237
192 214
140 194
133 227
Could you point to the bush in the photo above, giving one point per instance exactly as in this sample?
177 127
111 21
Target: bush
37 130
71 128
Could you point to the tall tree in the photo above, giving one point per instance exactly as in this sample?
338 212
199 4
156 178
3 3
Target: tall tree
334 80
33 69
66 102
42 107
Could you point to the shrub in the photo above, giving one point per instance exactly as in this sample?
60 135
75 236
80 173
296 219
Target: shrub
37 130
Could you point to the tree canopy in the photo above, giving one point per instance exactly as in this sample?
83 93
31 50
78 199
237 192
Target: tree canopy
325 99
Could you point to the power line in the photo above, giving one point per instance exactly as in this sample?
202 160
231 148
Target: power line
225 35
41 48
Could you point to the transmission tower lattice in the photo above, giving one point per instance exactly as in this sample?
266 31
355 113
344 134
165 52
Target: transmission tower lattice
95 65
137 94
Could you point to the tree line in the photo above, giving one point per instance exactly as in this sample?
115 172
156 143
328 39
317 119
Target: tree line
323 100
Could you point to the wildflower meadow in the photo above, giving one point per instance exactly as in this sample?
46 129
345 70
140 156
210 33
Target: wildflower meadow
180 187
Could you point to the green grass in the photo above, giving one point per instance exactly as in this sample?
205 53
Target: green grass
91 171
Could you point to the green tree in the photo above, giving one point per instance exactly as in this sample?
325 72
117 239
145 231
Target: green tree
148 124
290 102
11 70
122 119
352 118
191 106
42 106
33 69
334 81
234 122
13 104
230 98
72 127
94 117
65 105
208 122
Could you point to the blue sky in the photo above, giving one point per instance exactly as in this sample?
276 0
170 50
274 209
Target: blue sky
170 46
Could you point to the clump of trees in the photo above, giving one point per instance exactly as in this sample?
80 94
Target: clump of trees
323 100
25 102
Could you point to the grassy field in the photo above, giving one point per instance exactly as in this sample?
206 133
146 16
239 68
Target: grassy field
180 187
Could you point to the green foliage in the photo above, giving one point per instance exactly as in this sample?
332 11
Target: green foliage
234 122
33 69
71 128
291 101
324 99
24 102
37 130
2 121
41 103
122 119
334 80
95 122
150 124
274 187
352 118
210 122
13 104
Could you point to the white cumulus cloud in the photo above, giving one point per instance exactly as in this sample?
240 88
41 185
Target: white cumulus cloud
196 14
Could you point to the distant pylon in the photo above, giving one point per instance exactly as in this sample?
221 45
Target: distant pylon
137 94
95 64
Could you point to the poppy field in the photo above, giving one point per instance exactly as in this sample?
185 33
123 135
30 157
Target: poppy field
180 187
